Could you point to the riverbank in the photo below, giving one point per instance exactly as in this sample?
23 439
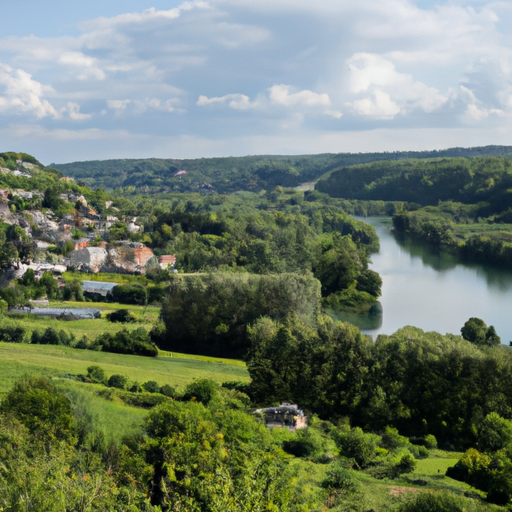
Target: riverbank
444 228
433 290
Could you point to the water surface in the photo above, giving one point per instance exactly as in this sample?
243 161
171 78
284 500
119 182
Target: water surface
434 291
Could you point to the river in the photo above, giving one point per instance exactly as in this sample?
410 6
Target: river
433 291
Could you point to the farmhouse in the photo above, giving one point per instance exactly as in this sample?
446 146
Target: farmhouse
167 261
285 416
97 289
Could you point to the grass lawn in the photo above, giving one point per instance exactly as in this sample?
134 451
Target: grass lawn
19 359
114 419
145 315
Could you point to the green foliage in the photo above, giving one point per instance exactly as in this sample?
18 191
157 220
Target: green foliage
12 333
210 314
355 444
117 381
41 408
308 443
96 374
122 316
50 284
151 386
130 294
202 390
476 331
72 291
340 478
435 502
430 441
137 342
494 433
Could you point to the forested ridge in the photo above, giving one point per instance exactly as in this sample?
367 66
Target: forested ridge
225 175
458 204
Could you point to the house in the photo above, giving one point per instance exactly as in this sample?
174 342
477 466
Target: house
98 289
285 416
167 261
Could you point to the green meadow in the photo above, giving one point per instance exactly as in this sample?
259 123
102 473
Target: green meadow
53 361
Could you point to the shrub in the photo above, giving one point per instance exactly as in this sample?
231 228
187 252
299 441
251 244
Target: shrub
130 294
12 333
151 386
122 316
83 343
306 443
96 374
168 390
339 477
50 337
430 441
127 342
202 390
358 445
433 502
117 381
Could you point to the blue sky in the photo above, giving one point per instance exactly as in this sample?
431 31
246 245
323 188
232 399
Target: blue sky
111 79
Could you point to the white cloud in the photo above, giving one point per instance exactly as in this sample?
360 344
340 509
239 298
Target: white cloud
235 101
141 106
280 95
277 95
87 67
390 92
73 111
22 94
146 16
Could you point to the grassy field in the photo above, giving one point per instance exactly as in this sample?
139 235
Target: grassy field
114 419
145 315
105 277
17 360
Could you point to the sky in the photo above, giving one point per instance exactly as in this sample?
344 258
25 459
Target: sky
136 79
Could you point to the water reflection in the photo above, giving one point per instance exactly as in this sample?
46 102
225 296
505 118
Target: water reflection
432 290
370 321
497 277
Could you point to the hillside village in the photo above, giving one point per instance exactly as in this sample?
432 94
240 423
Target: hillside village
73 237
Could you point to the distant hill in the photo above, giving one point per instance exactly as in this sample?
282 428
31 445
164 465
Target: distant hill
426 182
225 175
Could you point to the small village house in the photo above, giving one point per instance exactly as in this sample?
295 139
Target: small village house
167 261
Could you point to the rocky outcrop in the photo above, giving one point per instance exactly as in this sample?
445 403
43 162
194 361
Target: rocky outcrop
129 258
91 259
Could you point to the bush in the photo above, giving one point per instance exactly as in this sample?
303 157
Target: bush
430 502
137 342
83 343
117 381
130 294
430 441
358 445
122 316
50 337
96 374
168 390
151 386
307 443
202 390
12 333
339 477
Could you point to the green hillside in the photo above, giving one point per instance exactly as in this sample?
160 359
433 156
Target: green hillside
225 175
